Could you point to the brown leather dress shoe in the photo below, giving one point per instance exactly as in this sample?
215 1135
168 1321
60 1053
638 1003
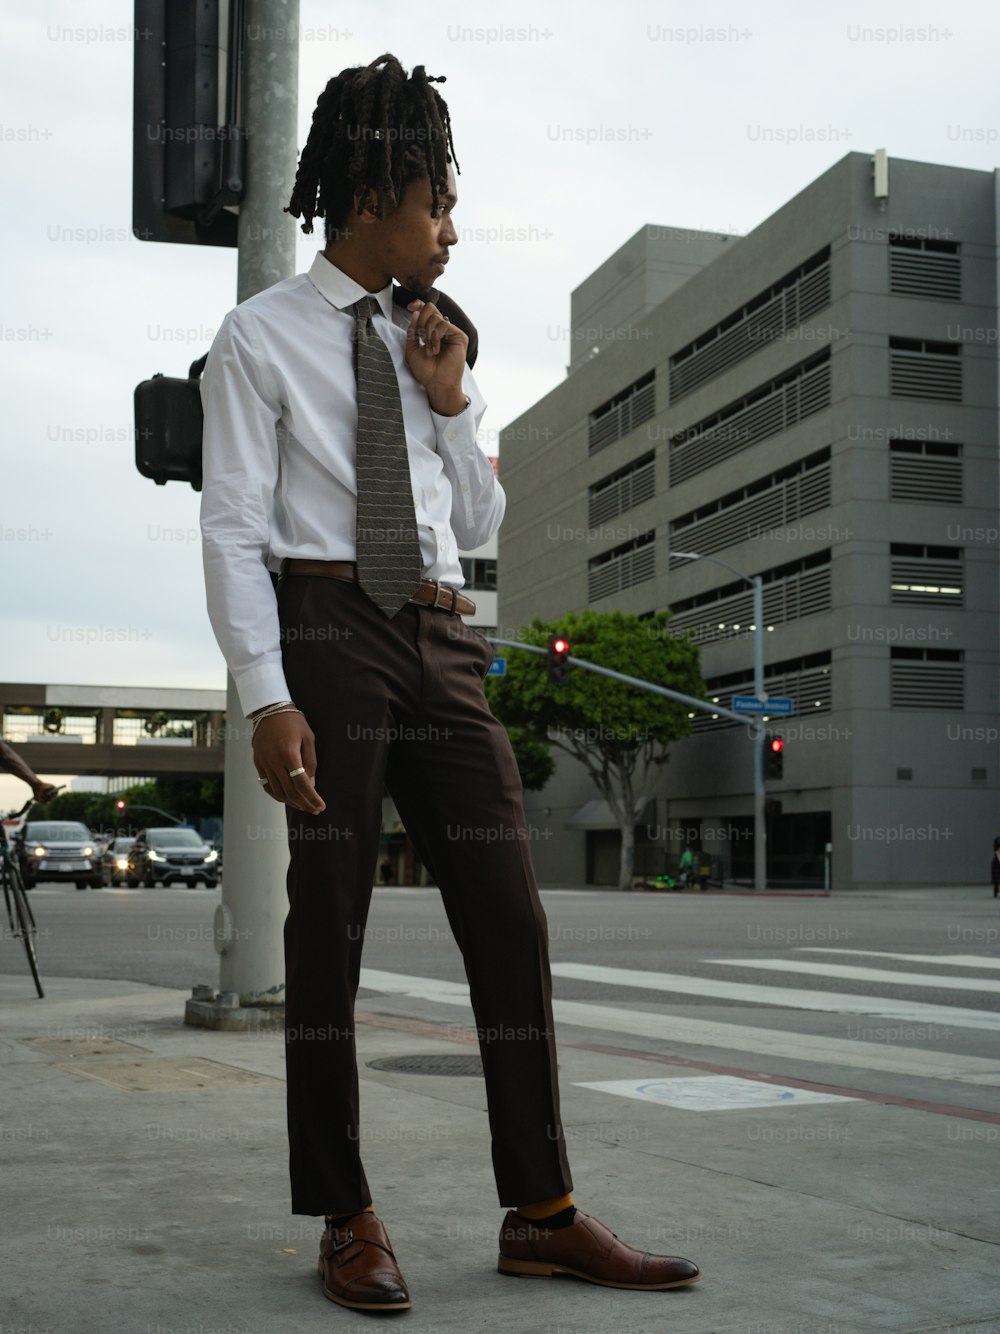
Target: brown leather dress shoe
358 1267
589 1250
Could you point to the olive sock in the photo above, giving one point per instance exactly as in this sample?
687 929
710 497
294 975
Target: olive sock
336 1220
557 1212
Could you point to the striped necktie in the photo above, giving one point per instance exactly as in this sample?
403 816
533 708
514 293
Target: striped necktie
388 547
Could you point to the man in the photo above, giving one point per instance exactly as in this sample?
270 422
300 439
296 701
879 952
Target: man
685 868
340 449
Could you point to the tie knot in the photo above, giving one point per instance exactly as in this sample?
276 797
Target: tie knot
366 308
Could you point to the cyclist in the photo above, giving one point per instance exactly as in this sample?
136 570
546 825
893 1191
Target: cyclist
13 764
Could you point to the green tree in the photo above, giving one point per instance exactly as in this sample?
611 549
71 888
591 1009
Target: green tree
619 733
534 759
190 797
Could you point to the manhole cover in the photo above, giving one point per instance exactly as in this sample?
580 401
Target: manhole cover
429 1065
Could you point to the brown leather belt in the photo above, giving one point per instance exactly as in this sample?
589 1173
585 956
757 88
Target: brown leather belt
429 591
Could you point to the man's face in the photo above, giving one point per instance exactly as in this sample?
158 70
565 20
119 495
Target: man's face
414 238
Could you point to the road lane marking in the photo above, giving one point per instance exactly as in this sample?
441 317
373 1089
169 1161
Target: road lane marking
835 1002
781 1043
854 973
951 960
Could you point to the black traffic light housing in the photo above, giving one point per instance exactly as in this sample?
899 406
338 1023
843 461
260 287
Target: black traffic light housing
774 756
556 664
169 422
188 138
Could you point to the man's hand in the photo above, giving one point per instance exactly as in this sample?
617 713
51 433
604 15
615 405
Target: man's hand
435 355
283 742
44 792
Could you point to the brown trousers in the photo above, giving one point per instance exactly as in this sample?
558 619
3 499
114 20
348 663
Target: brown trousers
399 703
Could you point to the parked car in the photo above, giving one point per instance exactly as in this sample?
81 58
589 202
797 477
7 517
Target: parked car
114 861
171 856
59 850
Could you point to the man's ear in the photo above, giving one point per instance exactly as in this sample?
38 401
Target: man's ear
367 213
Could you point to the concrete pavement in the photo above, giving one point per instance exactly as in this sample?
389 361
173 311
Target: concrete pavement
145 1187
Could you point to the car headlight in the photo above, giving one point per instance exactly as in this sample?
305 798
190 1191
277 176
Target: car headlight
88 851
213 856
156 856
39 852
121 863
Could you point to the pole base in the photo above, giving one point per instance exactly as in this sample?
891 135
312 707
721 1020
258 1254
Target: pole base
222 1011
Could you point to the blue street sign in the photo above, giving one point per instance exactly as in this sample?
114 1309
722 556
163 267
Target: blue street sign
747 704
498 667
751 704
778 704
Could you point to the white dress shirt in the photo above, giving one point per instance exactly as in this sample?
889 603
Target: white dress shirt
280 401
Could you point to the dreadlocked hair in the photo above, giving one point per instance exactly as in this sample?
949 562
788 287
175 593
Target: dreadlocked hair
374 129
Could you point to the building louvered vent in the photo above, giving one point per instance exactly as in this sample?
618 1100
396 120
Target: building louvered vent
807 681
920 368
622 491
623 567
782 307
925 471
800 588
927 576
623 413
775 407
927 678
927 268
759 512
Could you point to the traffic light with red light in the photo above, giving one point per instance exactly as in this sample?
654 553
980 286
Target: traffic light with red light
774 757
119 805
556 664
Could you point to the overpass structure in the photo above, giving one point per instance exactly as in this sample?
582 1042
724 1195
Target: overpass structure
116 731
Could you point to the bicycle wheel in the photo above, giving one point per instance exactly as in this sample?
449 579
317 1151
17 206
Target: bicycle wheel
24 921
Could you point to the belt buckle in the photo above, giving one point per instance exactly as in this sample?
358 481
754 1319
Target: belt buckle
339 1245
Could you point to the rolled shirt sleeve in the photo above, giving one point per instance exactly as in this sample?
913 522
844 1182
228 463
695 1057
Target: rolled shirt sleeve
242 404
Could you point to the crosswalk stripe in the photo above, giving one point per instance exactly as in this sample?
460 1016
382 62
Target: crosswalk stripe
951 960
853 1053
836 1002
929 981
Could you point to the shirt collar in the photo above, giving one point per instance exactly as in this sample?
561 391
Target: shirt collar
341 291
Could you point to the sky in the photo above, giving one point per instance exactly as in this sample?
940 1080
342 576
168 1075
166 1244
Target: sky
572 130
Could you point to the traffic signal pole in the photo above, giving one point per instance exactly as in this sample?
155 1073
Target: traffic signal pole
250 918
759 790
705 706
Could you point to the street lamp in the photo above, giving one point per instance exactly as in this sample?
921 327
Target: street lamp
759 820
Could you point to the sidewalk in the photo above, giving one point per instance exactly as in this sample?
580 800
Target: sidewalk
146 1191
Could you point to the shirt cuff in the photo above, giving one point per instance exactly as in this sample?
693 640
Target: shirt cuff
456 432
260 685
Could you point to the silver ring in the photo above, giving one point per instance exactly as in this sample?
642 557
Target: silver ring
294 773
